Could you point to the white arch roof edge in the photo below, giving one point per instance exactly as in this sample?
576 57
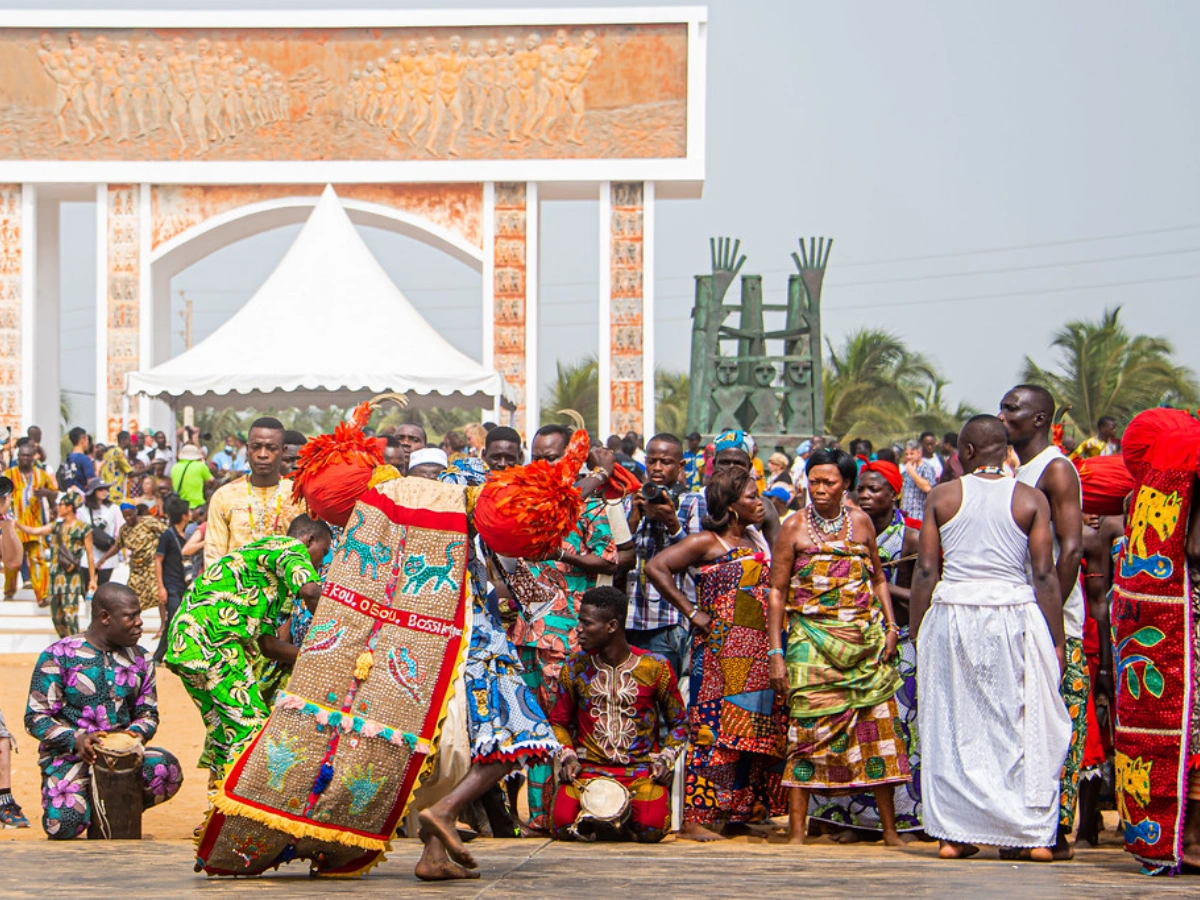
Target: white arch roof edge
430 232
327 322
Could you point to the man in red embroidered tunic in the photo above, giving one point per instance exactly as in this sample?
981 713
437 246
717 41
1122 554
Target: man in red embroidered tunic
614 702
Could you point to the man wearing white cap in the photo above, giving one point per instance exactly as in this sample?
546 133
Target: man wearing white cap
428 462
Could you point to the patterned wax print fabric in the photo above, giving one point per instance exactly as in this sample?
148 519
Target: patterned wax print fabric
693 469
504 719
79 688
239 513
139 542
212 644
67 588
845 728
353 735
30 510
114 470
738 729
1075 685
620 718
859 810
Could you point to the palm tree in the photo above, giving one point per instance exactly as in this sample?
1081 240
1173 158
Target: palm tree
671 402
871 384
930 412
1106 371
577 387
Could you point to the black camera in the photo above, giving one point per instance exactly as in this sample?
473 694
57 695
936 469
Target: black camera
655 493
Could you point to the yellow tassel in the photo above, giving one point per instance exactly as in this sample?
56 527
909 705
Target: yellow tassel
362 666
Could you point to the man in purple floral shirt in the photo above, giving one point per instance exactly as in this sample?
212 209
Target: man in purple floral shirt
87 685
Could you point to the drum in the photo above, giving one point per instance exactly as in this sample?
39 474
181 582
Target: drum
602 801
117 789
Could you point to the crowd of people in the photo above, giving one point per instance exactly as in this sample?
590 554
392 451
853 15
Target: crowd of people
777 634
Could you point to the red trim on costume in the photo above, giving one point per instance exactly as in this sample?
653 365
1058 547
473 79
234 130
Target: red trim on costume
418 518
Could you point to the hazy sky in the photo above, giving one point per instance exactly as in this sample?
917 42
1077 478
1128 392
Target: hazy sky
988 172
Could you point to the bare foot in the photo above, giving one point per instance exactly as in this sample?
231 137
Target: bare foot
797 840
893 839
444 871
848 836
955 850
1047 854
694 831
1060 852
443 828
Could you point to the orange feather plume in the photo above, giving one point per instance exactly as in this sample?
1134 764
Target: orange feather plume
526 511
333 470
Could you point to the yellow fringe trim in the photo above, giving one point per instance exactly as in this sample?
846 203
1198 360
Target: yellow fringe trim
297 829
357 873
382 474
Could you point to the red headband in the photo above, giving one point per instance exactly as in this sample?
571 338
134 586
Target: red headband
888 471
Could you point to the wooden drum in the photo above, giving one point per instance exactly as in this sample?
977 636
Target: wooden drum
117 789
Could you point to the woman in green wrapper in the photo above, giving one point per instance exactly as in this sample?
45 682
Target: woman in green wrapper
838 675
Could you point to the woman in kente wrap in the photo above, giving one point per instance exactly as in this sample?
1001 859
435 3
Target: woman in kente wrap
737 737
856 816
839 677
70 539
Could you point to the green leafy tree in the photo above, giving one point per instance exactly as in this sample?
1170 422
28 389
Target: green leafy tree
1106 371
576 387
930 412
671 402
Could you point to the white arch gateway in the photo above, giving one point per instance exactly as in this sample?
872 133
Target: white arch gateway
192 130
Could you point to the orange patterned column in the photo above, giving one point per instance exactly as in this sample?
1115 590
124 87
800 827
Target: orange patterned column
12 272
510 285
123 321
626 280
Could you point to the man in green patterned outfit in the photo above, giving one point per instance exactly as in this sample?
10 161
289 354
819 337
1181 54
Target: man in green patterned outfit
230 616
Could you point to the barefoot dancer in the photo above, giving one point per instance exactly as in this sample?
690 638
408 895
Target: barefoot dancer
738 728
994 732
838 678
505 725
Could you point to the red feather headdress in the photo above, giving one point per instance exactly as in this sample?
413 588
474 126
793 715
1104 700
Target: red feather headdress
333 470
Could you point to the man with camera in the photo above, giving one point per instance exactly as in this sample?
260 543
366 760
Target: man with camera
660 516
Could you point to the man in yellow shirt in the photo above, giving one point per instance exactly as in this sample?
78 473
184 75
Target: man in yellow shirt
30 486
1104 443
256 506
115 469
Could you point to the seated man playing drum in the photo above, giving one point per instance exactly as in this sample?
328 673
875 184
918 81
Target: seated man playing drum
85 687
614 702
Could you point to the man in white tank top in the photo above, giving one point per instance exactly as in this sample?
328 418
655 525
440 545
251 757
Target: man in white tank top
994 732
1027 412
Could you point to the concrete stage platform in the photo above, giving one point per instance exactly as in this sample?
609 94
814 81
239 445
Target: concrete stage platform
529 868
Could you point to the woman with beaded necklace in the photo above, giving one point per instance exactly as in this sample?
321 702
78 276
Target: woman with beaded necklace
737 725
838 676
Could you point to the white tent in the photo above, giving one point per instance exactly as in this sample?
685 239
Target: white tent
328 327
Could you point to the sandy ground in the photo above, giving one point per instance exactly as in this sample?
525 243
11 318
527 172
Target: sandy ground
180 731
